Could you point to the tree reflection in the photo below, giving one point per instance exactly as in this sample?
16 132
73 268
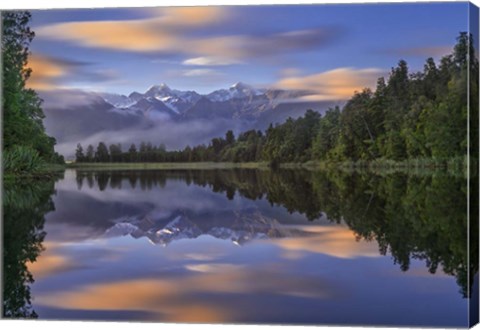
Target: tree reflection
25 205
419 216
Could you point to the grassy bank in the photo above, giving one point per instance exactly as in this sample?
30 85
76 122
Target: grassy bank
45 171
456 166
25 162
166 166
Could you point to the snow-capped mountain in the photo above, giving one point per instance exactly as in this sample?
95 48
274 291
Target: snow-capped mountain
117 100
239 101
236 91
177 101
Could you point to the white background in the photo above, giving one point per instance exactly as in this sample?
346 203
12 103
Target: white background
45 4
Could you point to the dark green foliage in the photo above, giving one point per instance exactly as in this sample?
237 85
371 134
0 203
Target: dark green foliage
22 112
327 135
90 156
291 141
116 152
21 160
230 138
101 155
79 156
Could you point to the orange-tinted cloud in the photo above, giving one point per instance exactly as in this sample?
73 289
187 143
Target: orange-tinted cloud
49 72
161 33
337 84
126 35
179 17
44 72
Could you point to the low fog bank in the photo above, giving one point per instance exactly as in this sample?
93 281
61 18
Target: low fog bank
173 135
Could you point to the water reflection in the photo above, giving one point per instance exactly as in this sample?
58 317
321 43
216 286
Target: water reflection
24 207
304 237
421 217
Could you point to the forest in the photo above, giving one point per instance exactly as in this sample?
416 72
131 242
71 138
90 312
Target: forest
418 116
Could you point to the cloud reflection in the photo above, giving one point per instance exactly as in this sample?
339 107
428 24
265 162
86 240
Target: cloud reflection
180 299
335 241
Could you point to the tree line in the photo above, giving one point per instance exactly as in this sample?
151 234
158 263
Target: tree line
420 115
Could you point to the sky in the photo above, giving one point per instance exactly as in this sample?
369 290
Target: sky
333 49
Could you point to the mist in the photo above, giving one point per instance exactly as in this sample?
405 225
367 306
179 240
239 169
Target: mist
174 135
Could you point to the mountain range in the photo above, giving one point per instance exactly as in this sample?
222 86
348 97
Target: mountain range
239 101
165 115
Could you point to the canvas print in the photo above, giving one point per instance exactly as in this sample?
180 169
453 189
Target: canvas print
268 164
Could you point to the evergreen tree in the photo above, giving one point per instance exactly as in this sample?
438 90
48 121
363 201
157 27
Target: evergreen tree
90 156
132 153
101 155
79 156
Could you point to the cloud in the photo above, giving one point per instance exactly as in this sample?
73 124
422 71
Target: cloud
181 17
293 40
242 47
125 35
49 72
201 72
209 61
289 72
164 61
45 70
175 31
337 84
425 51
161 33
66 98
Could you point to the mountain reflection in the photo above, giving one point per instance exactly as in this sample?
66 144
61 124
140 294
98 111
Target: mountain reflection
239 228
418 216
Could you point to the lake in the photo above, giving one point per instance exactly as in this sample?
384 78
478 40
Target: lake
239 246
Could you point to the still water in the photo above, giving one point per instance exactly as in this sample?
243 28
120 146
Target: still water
239 246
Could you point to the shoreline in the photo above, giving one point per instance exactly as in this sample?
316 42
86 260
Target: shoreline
415 166
454 166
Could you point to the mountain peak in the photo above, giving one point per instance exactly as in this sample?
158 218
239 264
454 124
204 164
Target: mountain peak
159 88
240 85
